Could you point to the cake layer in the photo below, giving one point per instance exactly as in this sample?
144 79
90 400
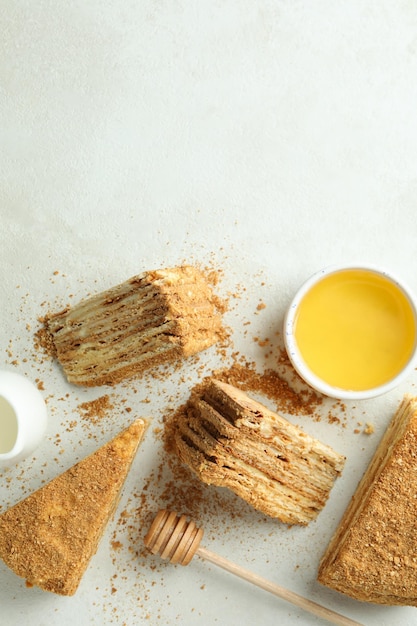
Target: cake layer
230 440
154 318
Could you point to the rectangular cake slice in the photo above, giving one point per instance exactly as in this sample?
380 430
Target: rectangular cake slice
153 318
49 537
230 440
373 554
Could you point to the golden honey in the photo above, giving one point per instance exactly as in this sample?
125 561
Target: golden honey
355 329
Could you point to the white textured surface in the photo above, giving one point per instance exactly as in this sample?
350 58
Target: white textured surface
270 138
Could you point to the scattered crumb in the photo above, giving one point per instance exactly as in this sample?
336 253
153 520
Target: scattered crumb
95 410
271 384
369 429
43 341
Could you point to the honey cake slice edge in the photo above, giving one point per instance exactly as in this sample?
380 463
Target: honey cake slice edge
105 337
49 537
230 440
372 555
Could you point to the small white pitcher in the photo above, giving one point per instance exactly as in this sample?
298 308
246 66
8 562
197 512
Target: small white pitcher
23 417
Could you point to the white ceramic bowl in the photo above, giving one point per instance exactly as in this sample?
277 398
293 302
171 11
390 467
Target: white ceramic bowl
298 361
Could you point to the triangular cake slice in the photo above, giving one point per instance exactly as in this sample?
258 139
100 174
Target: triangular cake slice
49 537
373 554
230 440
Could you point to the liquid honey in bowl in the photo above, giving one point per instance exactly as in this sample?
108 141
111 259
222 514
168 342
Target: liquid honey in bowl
355 329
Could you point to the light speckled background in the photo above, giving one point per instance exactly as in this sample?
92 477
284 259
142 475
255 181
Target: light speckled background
269 138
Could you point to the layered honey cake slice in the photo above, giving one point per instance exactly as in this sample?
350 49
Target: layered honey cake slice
153 318
372 556
49 537
230 440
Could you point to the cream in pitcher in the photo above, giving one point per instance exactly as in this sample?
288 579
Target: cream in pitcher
23 417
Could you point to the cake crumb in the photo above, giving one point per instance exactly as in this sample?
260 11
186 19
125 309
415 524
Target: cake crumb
95 410
369 429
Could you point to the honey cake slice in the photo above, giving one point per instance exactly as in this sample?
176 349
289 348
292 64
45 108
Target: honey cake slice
372 556
230 440
49 537
156 317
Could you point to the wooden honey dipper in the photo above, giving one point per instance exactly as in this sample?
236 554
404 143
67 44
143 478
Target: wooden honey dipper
175 538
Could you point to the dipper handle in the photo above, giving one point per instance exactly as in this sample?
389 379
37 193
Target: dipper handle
176 539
